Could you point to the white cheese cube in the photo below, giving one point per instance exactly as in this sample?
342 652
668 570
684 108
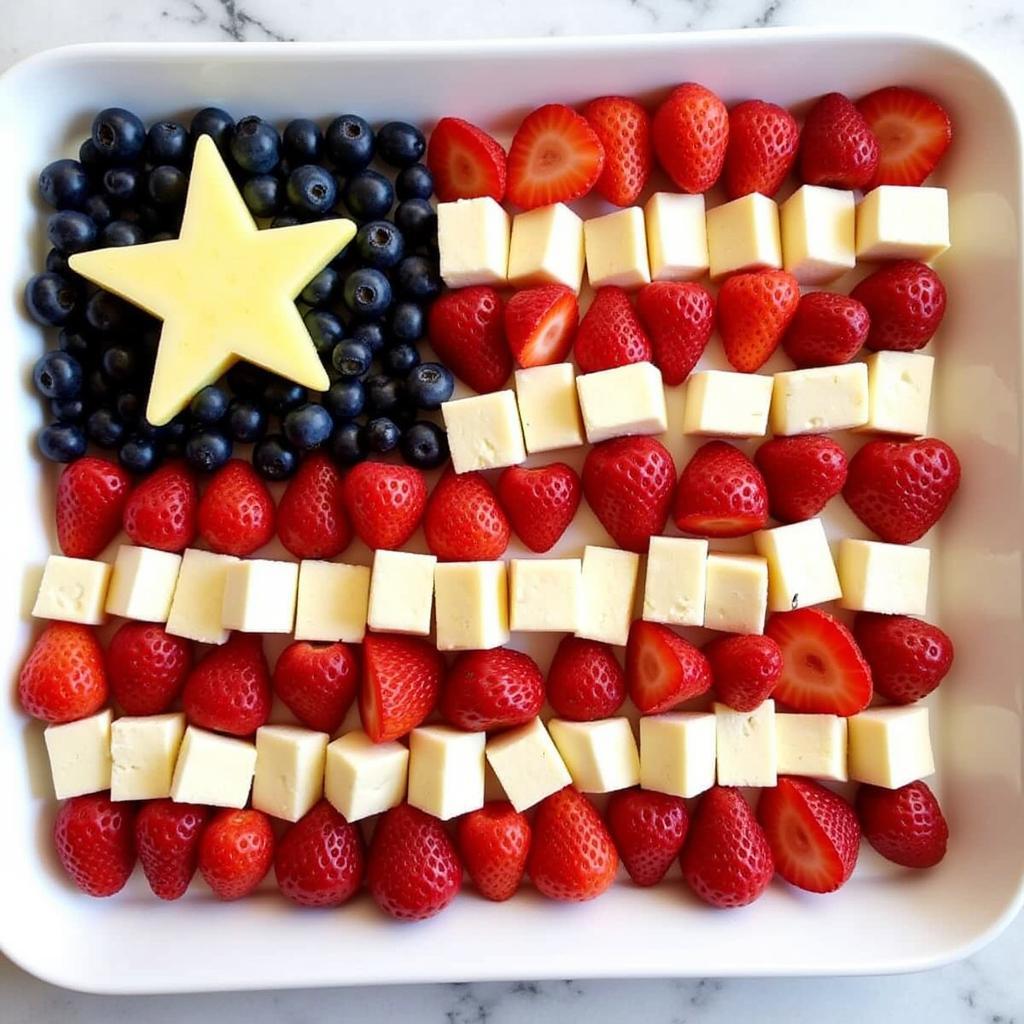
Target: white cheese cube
144 751
677 753
198 605
473 239
744 235
601 756
747 749
289 775
677 238
544 594
737 593
333 601
548 407
259 596
607 594
800 567
624 400
213 769
484 431
546 248
820 400
903 222
887 578
446 770
142 583
890 746
899 392
527 764
818 233
724 404
676 586
616 247
813 745
363 778
472 605
73 590
401 592
79 754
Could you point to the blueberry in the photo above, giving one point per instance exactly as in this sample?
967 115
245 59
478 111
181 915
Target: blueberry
262 194
209 405
381 435
75 344
380 244
64 184
122 232
367 293
274 459
129 407
106 313
311 189
400 144
351 358
308 426
167 143
349 142
119 364
121 183
51 299
57 375
247 379
246 421
322 289
71 231
207 450
90 158
399 359
104 428
347 444
383 394
407 322
285 221
345 400
371 335
119 135
281 395
369 195
417 220
100 210
62 442
414 182
302 141
57 262
98 386
424 445
68 410
429 385
167 185
139 455
325 329
255 145
216 123
417 277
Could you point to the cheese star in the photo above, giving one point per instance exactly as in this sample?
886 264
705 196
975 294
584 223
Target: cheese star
224 289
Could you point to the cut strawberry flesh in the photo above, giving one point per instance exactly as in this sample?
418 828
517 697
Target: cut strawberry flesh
551 340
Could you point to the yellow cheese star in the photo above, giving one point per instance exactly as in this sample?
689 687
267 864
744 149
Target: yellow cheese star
224 289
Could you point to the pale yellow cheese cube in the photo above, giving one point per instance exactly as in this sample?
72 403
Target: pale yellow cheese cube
800 567
79 754
887 578
544 594
546 248
333 601
737 593
677 753
818 233
744 235
601 756
890 747
616 247
401 592
473 239
446 770
259 596
484 431
472 605
899 392
676 585
624 400
608 594
363 778
198 605
677 239
747 748
144 751
213 769
142 583
903 222
724 404
73 590
289 777
548 407
812 745
527 764
820 400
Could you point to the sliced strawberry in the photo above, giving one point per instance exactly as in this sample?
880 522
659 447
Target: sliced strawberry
540 502
465 162
754 311
679 316
663 669
624 129
610 334
763 140
720 493
467 331
400 685
540 324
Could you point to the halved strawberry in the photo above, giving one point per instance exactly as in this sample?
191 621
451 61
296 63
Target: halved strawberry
823 671
540 324
465 161
721 493
400 686
663 669
555 157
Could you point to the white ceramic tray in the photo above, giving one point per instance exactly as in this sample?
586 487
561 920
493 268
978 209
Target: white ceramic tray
884 920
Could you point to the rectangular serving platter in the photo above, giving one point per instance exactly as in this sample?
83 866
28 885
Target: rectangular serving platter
884 920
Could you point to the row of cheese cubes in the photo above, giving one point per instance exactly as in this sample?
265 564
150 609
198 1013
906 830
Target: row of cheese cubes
817 235
289 768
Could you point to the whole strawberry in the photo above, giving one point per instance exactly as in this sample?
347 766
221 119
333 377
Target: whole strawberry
679 316
906 301
572 856
763 140
802 475
311 518
167 836
162 512
754 312
236 511
827 329
467 331
63 677
317 682
721 493
146 667
908 657
624 129
610 334
649 830
691 136
904 825
385 502
744 669
90 501
837 147
235 852
494 843
663 669
726 861
628 484
319 861
540 324
229 690
95 843
463 521
400 686
585 681
900 489
486 690
412 871
540 503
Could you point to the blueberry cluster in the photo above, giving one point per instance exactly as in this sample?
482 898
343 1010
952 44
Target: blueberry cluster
366 312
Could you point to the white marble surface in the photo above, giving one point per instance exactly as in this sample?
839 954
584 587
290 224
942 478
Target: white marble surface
988 987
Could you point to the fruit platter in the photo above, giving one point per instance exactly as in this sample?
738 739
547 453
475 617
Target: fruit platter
555 518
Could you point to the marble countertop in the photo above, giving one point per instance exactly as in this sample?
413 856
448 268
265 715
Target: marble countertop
989 986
